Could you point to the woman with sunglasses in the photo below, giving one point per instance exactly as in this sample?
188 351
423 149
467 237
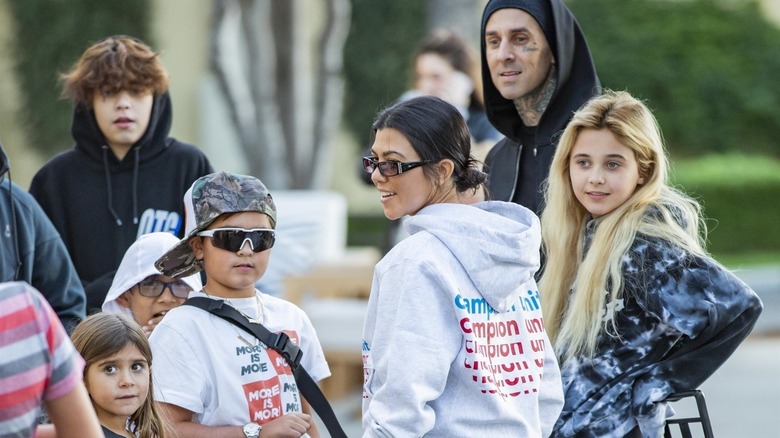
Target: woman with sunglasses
138 288
453 342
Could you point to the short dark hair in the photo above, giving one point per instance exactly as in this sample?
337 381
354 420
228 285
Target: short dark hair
437 131
116 63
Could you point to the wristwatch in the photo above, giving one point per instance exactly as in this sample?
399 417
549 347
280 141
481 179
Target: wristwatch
252 430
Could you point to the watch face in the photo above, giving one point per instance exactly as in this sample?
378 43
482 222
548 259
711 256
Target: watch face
252 430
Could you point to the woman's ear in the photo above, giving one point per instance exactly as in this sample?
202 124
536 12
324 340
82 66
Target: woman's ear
444 170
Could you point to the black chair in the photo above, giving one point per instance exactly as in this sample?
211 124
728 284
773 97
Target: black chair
684 424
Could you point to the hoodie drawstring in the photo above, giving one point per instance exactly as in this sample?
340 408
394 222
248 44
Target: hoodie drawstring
135 186
108 186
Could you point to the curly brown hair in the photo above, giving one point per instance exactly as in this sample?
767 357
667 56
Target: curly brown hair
113 64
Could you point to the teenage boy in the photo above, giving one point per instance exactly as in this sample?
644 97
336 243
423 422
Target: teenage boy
536 71
125 177
213 378
139 291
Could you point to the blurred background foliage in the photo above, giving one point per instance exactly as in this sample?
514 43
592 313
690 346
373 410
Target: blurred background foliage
708 68
377 58
50 36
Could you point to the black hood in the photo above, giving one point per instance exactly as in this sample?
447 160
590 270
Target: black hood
90 140
85 131
574 87
4 166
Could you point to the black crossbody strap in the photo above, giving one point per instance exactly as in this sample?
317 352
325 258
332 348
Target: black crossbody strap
281 343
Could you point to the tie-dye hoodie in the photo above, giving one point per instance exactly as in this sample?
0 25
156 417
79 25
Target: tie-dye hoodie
680 317
454 343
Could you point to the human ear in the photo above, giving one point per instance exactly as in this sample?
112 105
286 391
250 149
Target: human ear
197 247
123 299
444 170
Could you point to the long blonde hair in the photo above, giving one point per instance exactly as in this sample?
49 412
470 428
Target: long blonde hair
103 334
575 284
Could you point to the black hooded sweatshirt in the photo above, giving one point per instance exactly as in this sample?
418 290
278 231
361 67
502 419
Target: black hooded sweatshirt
518 165
101 205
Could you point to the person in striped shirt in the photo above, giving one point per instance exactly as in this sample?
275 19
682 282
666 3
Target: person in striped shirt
39 366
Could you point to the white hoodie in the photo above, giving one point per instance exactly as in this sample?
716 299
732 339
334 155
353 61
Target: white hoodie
137 264
454 342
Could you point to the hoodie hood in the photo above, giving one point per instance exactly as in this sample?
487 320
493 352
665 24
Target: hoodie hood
90 139
4 166
577 80
502 252
138 264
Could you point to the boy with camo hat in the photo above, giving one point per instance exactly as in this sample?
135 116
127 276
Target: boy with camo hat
211 376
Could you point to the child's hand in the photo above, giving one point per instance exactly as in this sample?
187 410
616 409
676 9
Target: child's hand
287 426
153 323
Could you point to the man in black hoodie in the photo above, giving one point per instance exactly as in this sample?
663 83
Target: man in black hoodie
536 71
125 177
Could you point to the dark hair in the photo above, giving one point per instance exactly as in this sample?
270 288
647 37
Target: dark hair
437 131
115 63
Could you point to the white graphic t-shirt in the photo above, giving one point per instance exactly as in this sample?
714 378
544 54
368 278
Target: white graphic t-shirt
224 375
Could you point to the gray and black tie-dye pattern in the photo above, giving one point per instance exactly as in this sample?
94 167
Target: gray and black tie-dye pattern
680 317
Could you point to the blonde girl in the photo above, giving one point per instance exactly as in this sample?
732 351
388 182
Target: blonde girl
631 299
118 375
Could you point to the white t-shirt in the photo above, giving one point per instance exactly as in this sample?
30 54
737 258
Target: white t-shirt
202 364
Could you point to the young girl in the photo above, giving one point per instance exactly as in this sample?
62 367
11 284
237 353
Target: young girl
635 307
453 341
118 375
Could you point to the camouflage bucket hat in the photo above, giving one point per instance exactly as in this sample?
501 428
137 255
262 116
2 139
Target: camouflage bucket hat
209 197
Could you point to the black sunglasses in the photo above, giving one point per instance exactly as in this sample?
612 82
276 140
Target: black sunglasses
232 239
389 167
154 288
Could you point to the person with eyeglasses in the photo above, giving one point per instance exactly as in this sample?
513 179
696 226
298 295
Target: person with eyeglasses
453 340
200 358
140 291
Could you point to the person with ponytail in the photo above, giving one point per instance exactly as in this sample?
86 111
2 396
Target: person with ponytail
453 340
118 375
634 305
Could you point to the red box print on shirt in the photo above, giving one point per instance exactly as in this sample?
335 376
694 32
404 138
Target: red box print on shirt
264 399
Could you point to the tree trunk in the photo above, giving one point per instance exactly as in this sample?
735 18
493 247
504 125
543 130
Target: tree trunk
282 82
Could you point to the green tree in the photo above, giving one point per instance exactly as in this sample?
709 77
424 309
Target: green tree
51 35
708 68
377 58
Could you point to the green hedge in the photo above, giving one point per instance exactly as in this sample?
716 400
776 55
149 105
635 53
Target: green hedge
741 199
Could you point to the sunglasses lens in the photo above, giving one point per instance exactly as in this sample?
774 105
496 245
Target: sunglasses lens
150 288
155 288
369 164
233 240
180 289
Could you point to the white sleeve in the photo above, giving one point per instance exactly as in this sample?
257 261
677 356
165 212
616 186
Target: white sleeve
177 371
550 391
412 349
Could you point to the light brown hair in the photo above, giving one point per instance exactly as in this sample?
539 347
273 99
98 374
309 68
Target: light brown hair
113 64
